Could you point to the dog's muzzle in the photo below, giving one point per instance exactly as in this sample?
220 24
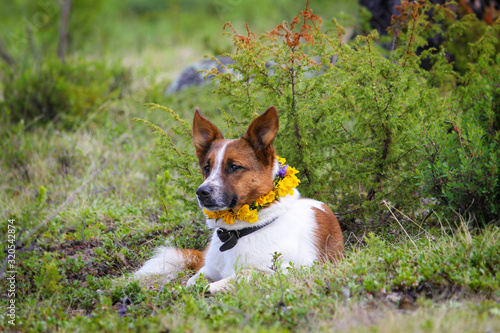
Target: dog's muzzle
214 199
204 194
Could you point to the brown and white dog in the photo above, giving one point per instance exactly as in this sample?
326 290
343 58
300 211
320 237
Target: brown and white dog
236 172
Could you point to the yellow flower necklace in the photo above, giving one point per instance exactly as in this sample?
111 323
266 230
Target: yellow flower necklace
284 184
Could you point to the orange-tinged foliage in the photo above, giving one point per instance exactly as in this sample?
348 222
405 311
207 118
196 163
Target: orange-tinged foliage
292 39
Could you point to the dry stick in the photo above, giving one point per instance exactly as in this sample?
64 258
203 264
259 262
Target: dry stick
63 30
409 219
385 203
68 200
399 31
5 55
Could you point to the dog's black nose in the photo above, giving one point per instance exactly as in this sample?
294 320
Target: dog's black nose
204 192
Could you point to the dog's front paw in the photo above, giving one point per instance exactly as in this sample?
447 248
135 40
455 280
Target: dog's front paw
191 281
199 283
220 286
198 278
213 287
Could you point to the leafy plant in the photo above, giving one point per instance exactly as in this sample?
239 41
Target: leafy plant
66 92
179 162
461 151
49 279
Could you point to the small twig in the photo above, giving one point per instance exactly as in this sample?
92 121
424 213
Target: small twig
166 218
360 242
121 245
33 47
348 212
385 203
398 31
83 230
427 216
147 242
415 223
277 269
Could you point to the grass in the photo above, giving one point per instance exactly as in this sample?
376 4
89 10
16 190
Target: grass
74 274
442 283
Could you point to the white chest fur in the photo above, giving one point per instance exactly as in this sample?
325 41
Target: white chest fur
291 235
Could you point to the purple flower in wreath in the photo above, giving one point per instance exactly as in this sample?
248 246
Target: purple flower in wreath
282 172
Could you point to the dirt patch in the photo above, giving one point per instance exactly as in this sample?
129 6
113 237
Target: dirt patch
72 247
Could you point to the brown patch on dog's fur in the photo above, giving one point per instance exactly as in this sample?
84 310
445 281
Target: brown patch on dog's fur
255 179
194 259
329 238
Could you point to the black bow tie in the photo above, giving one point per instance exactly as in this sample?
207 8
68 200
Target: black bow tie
229 238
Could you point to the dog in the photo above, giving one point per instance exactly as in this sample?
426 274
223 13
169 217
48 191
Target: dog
256 214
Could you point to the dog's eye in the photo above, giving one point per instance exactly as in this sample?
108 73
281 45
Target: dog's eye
206 169
234 167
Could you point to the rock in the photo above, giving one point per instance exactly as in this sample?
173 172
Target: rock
193 75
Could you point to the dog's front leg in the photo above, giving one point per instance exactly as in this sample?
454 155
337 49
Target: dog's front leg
208 274
226 283
192 279
213 287
222 285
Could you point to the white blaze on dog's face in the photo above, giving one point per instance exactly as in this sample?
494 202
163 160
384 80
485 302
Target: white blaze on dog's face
235 172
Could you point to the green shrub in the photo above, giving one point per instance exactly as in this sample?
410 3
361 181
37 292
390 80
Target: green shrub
463 151
49 279
64 92
353 121
180 162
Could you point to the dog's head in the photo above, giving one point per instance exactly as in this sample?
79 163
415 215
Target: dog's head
235 172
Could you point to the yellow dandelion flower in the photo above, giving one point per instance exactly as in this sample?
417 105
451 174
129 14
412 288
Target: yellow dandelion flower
229 217
261 201
252 217
291 171
247 215
211 215
266 198
281 160
293 182
283 189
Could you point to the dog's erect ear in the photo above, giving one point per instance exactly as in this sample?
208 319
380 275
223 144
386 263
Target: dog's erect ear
204 134
261 133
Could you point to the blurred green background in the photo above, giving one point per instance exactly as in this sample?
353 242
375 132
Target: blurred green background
161 34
